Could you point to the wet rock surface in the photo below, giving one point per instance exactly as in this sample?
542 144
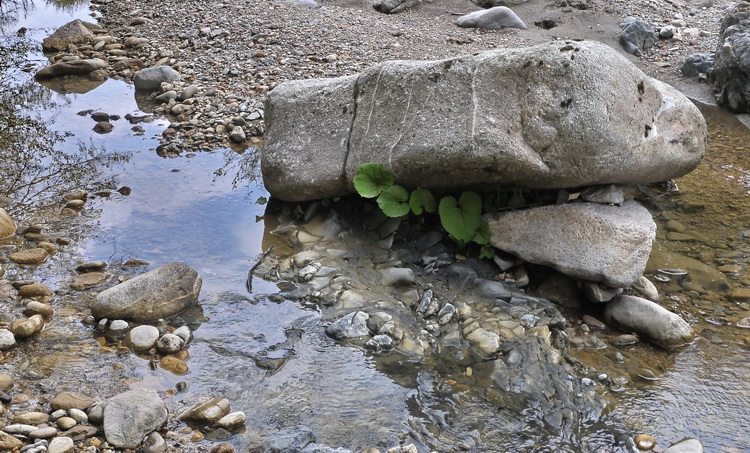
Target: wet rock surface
397 114
151 296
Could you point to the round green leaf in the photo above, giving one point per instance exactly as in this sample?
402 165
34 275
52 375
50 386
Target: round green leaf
486 252
463 217
372 179
422 200
393 201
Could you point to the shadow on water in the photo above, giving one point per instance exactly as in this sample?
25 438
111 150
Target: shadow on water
202 209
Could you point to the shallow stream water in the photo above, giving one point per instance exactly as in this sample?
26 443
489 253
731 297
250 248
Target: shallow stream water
206 209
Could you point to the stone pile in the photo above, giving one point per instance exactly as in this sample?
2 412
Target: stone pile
459 123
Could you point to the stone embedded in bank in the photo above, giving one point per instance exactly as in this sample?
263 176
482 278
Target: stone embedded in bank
74 32
491 19
590 241
588 117
157 294
150 79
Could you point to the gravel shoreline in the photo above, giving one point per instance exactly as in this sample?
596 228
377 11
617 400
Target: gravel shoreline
236 51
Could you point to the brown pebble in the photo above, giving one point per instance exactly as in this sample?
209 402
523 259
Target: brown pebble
29 256
182 354
35 290
66 423
38 308
63 241
20 399
174 365
48 246
197 436
645 442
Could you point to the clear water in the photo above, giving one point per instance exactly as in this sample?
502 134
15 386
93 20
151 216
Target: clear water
203 211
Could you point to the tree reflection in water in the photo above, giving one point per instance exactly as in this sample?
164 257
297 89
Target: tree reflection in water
38 164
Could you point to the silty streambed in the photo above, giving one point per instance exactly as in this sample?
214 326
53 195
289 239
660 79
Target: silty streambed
191 209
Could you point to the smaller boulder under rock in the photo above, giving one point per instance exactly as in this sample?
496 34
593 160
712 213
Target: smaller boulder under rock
649 320
491 19
150 79
590 241
636 36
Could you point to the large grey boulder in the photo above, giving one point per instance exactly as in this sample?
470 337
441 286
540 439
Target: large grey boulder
650 320
157 294
557 115
150 79
130 416
590 241
732 59
74 32
77 67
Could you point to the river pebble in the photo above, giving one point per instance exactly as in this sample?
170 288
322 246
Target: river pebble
69 400
35 290
29 256
645 442
31 418
78 415
65 423
89 280
7 340
23 328
61 445
169 343
141 338
39 308
18 428
222 447
154 443
207 412
6 382
8 442
43 433
116 330
174 365
231 420
353 325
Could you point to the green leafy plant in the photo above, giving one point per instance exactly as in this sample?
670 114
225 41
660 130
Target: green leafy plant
461 218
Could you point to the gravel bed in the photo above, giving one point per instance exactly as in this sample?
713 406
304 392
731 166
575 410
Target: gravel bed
235 51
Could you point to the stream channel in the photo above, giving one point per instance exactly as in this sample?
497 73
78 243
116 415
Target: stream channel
207 209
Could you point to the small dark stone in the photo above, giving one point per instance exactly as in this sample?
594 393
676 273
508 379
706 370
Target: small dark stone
100 116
